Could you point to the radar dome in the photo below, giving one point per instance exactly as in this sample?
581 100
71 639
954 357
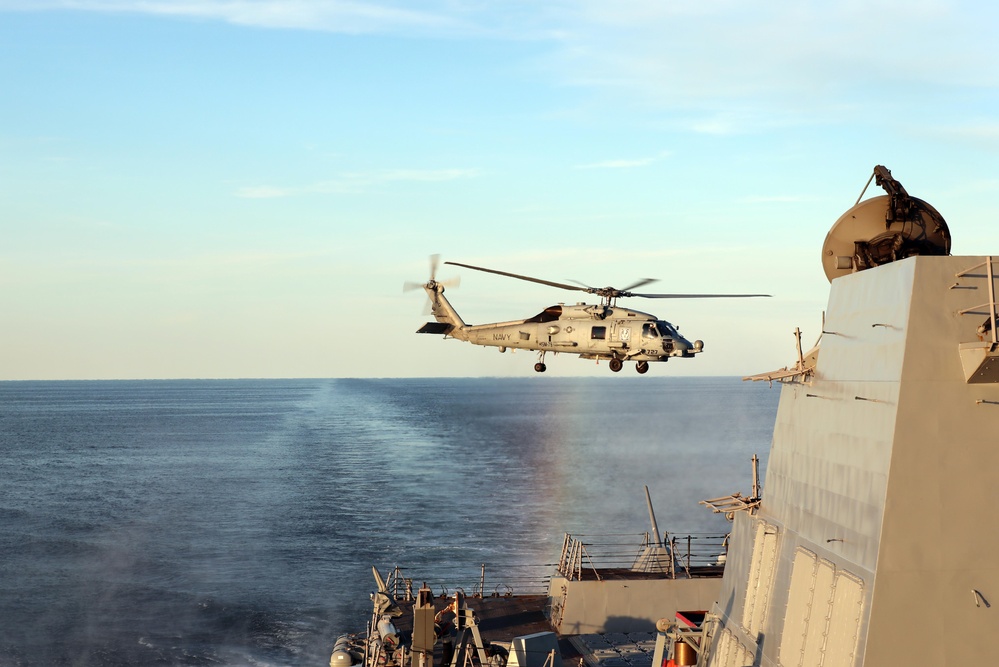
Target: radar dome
883 229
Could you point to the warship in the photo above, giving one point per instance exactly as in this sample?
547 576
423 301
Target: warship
870 542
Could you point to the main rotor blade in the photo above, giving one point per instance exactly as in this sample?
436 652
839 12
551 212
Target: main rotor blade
699 296
607 291
643 281
520 277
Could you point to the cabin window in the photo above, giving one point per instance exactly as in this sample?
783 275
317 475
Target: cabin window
598 333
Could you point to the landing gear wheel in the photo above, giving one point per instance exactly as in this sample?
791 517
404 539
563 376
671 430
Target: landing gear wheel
540 367
616 365
642 367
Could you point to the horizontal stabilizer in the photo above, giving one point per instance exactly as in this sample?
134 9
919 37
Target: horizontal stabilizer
436 328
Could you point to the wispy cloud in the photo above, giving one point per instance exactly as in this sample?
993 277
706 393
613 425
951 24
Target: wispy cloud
776 64
618 164
985 132
353 183
775 199
327 15
625 163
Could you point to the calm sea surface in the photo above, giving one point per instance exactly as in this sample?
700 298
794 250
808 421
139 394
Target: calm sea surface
236 522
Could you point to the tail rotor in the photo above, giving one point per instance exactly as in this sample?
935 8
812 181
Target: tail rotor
432 284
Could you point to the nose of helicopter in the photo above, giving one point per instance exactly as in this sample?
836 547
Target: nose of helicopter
684 348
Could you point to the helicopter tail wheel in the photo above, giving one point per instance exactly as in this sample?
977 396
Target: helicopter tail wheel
642 367
540 366
616 365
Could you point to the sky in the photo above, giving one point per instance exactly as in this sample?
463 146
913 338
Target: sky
240 188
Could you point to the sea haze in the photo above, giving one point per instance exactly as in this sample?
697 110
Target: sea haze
236 522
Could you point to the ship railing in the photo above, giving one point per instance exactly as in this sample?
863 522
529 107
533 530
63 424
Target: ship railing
990 325
486 581
699 551
599 555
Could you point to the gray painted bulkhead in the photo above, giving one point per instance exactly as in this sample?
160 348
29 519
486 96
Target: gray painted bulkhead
883 548
585 607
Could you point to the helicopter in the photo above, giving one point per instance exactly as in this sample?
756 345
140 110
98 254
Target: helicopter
591 331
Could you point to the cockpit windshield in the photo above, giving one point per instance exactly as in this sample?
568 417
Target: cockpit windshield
666 329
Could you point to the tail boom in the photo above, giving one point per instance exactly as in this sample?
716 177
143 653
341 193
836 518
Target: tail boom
448 322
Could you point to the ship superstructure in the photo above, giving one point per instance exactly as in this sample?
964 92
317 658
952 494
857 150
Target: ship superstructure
874 543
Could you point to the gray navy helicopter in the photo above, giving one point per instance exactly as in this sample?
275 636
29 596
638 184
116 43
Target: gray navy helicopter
600 331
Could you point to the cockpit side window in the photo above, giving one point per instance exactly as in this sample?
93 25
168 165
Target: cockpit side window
649 330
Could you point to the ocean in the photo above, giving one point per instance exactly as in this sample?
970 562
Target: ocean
235 522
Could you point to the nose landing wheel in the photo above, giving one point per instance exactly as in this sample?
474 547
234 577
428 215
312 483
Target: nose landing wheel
642 367
616 365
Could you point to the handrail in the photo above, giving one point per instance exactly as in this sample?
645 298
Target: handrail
483 581
991 303
610 551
